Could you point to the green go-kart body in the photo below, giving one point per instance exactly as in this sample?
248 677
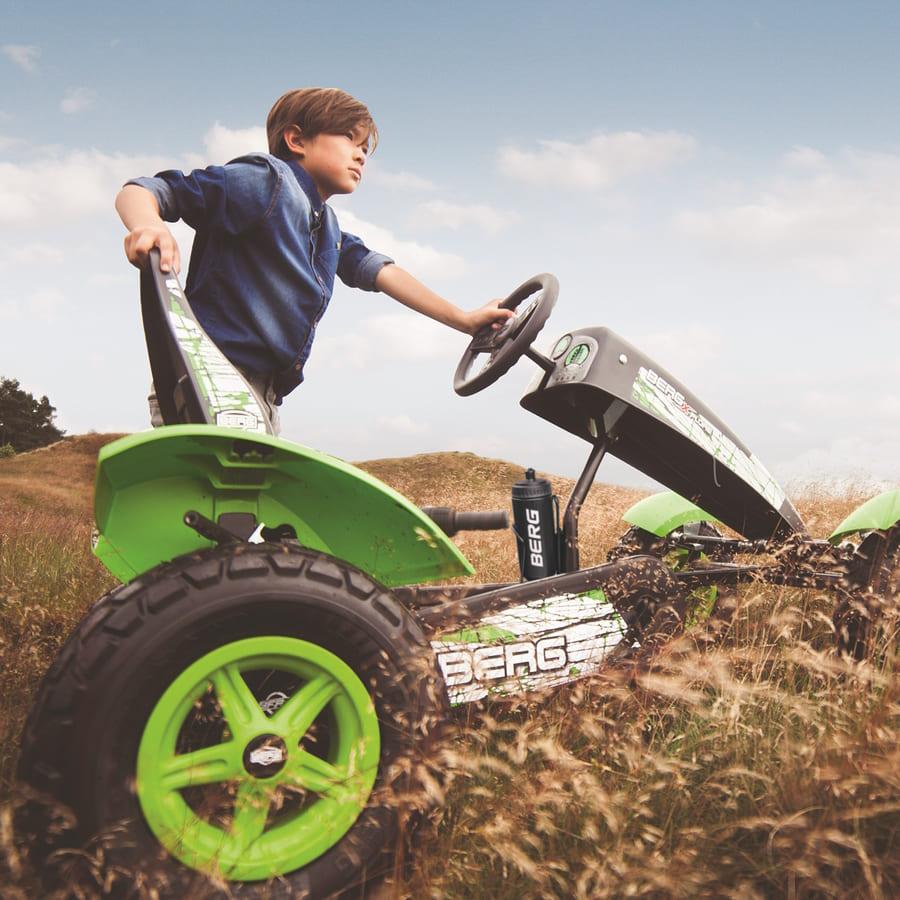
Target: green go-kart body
147 481
662 513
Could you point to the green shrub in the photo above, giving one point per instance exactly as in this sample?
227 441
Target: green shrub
6 451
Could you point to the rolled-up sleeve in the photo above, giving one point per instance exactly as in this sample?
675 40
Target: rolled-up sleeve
163 192
358 266
233 197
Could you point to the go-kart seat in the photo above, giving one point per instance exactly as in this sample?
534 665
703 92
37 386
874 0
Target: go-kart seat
195 383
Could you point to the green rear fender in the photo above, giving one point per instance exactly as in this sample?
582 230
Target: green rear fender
146 482
877 514
662 513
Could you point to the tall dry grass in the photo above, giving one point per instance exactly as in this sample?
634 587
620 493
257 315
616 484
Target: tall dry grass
747 760
759 766
48 576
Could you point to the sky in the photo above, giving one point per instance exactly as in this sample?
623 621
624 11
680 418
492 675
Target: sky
718 182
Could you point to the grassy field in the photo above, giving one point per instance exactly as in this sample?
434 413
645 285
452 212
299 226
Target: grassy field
755 765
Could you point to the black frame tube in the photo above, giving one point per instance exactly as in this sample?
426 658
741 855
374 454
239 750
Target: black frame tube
209 529
571 555
623 581
626 579
544 362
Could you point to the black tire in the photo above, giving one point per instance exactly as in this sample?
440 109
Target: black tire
863 620
80 742
651 623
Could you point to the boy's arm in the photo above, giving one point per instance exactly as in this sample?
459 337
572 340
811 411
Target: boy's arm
139 212
231 198
399 284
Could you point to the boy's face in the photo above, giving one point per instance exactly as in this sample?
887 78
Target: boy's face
334 161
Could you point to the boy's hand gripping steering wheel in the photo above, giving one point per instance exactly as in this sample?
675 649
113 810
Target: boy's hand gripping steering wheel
505 345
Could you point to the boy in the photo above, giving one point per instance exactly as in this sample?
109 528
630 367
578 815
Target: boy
268 246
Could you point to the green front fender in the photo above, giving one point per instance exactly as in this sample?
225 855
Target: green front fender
661 513
147 481
877 514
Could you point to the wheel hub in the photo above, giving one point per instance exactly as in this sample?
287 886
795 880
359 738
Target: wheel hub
265 756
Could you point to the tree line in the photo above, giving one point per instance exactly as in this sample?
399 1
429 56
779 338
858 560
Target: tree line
25 422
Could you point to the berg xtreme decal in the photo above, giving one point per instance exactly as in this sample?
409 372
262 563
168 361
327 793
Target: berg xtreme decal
535 645
230 402
654 393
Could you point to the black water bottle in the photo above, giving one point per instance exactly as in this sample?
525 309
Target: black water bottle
534 522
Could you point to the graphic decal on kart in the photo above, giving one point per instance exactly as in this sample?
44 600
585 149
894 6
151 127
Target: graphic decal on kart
535 645
232 405
665 400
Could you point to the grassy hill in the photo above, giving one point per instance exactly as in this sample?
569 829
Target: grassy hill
60 476
757 764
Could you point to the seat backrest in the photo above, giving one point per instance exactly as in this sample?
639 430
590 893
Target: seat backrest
195 383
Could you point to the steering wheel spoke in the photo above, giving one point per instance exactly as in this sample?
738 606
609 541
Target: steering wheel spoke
483 341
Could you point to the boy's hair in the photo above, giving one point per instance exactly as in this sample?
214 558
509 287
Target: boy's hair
317 111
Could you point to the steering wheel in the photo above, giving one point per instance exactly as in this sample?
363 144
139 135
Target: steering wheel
505 345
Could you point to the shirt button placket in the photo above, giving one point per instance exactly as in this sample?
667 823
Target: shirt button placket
316 222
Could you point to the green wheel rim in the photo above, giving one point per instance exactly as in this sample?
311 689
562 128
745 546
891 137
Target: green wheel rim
259 759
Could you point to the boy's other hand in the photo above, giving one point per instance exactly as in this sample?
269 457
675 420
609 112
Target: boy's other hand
489 314
141 240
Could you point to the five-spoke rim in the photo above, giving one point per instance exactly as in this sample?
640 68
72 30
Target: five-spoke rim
259 759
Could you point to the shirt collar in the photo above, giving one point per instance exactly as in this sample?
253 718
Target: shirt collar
309 186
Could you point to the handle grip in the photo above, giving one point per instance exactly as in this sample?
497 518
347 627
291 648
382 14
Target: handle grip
450 521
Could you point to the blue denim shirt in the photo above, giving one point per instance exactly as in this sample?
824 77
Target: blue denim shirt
264 258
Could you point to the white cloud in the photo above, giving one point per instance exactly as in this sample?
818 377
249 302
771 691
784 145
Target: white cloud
789 426
452 215
400 181
184 237
805 158
836 219
680 350
878 406
55 187
401 424
859 442
389 338
426 261
866 463
25 56
223 144
598 162
119 279
77 100
46 303
43 305
32 254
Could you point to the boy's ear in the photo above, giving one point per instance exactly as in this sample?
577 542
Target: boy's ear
293 139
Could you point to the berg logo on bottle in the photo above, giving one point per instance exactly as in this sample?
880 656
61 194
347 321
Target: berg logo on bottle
535 545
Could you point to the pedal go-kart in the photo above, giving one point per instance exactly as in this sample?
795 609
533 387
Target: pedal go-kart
247 707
